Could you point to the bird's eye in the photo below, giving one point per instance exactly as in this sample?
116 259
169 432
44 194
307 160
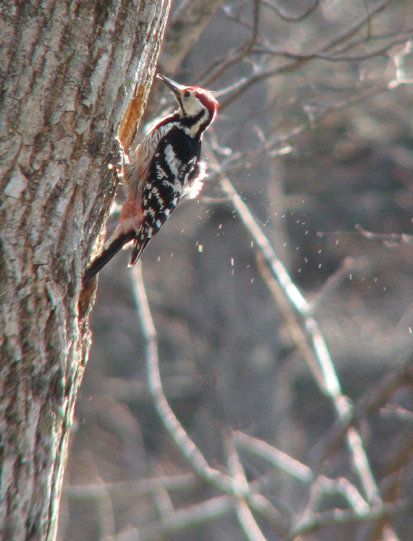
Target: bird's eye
187 93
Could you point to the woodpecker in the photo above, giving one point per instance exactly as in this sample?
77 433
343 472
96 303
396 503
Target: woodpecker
166 166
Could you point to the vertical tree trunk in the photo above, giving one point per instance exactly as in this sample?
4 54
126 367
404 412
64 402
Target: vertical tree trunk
68 70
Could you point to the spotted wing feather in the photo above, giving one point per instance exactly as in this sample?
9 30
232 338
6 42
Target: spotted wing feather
172 169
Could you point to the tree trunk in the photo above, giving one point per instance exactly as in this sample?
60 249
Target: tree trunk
68 71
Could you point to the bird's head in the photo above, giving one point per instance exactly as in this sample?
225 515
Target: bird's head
195 103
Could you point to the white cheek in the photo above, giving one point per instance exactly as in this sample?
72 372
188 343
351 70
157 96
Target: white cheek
192 107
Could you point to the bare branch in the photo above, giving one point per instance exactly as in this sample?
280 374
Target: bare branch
262 505
170 421
368 403
289 17
331 384
244 50
277 145
294 328
247 521
399 61
283 461
211 509
240 484
347 267
188 517
340 516
391 239
295 63
293 467
337 56
134 488
396 412
192 16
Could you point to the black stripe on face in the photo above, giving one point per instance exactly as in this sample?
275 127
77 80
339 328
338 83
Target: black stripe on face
192 120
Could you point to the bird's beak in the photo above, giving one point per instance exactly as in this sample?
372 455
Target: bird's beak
175 88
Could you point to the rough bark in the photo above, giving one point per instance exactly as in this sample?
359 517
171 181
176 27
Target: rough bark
68 70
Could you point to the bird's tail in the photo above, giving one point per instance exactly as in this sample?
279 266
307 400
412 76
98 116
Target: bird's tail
117 244
138 247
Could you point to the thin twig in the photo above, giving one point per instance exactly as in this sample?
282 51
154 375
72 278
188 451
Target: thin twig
287 17
389 239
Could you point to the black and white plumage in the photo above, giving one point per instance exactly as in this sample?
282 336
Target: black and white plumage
166 167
